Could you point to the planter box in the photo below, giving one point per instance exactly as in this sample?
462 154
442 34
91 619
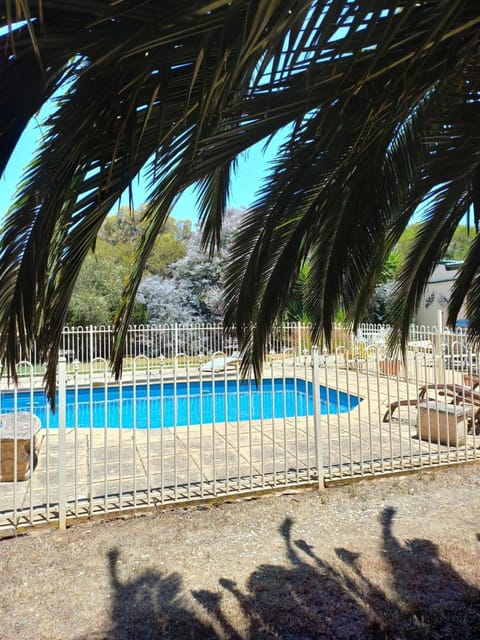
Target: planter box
441 424
389 367
17 434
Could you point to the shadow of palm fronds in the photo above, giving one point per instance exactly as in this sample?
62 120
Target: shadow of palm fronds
420 596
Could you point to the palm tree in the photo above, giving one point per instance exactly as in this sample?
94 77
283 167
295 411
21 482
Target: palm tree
379 102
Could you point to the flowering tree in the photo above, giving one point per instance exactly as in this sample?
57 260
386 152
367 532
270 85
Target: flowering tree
194 292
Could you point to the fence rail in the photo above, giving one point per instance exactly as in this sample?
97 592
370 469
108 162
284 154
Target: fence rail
182 425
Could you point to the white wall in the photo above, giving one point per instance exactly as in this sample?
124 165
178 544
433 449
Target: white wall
437 295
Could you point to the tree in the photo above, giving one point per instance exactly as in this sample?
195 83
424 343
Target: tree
194 292
379 103
166 301
123 232
460 243
97 292
298 307
457 249
98 289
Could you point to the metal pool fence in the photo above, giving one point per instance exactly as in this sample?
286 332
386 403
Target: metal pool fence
182 425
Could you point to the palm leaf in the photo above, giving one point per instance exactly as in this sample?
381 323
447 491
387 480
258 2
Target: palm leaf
185 87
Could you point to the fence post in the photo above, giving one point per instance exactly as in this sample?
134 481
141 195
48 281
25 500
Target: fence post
91 354
317 426
299 340
438 349
62 443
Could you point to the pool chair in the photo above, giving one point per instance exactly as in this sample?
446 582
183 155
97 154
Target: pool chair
472 380
443 420
221 363
451 394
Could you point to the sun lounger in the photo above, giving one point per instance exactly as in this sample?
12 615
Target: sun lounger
472 381
221 363
452 391
446 419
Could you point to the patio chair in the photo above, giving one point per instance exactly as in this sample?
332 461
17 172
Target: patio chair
457 394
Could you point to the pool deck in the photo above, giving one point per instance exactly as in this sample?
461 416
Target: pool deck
112 469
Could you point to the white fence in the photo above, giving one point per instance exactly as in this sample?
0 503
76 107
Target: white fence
168 341
183 426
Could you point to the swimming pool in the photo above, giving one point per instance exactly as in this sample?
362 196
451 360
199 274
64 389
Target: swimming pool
181 403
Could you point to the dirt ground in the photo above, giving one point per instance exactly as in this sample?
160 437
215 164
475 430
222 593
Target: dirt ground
389 558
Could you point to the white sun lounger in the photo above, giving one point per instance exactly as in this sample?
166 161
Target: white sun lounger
220 363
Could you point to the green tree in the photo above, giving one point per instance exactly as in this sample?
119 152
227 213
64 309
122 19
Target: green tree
98 290
378 101
298 306
122 227
457 249
166 251
390 268
123 232
406 240
460 243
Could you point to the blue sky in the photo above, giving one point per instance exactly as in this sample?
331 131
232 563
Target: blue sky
252 166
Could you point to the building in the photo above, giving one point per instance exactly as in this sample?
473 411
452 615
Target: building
437 295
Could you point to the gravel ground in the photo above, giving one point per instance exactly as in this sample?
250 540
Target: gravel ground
389 558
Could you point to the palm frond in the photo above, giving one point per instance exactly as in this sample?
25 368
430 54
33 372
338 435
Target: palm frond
378 102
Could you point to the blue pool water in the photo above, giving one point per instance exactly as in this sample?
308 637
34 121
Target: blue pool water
182 403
